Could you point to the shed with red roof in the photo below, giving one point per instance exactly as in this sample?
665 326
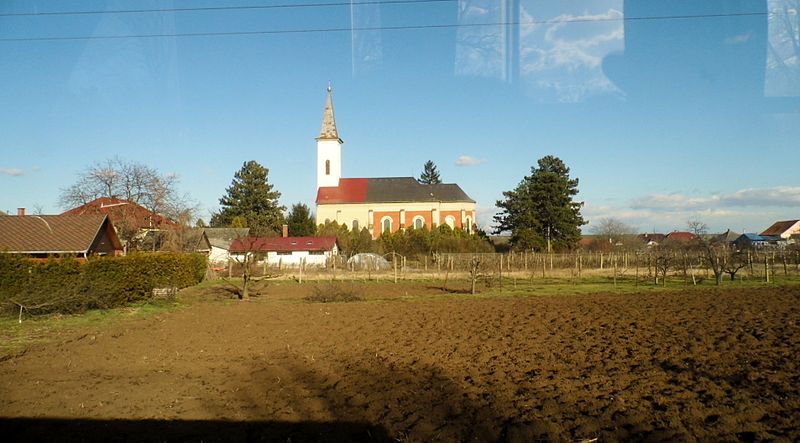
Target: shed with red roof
287 251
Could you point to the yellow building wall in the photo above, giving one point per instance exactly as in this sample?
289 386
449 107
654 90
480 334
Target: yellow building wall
370 215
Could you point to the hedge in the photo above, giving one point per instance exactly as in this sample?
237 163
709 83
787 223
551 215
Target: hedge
66 285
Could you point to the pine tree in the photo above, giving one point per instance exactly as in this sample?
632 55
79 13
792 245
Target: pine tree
300 221
251 200
541 208
430 175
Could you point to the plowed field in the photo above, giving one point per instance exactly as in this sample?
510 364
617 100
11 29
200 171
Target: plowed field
702 365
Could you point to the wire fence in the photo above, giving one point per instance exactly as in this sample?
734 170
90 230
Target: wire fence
656 267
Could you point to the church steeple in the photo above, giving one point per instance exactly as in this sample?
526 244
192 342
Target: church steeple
329 148
328 130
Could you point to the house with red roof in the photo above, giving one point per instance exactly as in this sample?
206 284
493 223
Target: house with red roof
681 236
784 229
384 204
287 251
131 220
123 212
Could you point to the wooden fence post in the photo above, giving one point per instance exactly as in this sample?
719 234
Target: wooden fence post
301 270
394 263
766 267
501 272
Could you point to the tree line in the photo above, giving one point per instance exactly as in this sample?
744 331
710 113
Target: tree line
540 213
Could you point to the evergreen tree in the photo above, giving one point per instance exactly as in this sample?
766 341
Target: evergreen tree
542 207
251 201
300 221
430 175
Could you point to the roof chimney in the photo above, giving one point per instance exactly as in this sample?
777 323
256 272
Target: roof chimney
20 212
285 231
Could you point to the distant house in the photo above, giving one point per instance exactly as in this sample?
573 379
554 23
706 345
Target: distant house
131 220
727 237
220 240
289 251
783 229
681 236
41 236
177 240
652 239
123 213
753 240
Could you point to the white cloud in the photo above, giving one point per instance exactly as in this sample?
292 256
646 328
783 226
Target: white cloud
750 197
15 172
749 209
738 39
466 160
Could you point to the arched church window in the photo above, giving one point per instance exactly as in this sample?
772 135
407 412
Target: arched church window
387 225
419 222
355 225
327 167
451 221
469 225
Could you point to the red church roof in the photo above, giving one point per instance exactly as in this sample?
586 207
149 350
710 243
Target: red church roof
350 190
282 244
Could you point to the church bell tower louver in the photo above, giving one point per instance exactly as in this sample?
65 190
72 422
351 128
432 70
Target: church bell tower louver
329 148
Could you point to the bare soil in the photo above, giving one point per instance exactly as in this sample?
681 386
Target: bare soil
670 366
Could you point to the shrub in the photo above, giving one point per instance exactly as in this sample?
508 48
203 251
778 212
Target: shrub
334 292
67 286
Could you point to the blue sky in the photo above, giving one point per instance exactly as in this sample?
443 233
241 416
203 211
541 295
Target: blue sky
662 120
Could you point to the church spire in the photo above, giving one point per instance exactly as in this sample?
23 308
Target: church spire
328 130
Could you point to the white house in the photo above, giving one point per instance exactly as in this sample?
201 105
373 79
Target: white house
784 229
288 251
220 240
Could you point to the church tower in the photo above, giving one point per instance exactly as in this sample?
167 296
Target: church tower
329 148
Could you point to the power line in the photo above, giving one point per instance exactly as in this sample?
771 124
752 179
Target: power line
383 28
224 8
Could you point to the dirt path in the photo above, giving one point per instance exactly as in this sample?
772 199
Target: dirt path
705 365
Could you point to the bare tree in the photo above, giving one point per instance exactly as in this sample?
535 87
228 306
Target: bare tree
614 231
697 227
664 258
715 256
130 181
476 271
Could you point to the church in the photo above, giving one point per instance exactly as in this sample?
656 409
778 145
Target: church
383 204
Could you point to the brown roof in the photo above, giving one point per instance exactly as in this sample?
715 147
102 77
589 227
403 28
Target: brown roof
123 212
176 240
222 237
779 228
52 234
